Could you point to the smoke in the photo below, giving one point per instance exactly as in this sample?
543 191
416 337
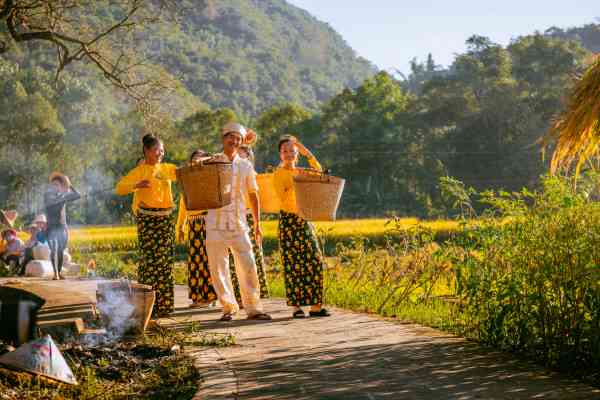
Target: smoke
115 304
117 315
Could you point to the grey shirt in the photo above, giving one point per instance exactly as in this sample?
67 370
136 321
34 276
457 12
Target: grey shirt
55 201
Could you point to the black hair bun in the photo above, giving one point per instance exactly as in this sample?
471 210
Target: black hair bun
149 140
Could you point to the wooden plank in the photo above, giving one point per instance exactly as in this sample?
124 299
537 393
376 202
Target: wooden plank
68 302
87 313
58 293
76 324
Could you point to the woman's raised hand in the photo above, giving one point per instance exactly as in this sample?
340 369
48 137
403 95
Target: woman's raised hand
66 182
251 137
303 150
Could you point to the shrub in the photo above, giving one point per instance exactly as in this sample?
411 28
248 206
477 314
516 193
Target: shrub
534 283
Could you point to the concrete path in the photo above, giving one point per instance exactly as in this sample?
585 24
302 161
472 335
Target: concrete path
357 356
349 356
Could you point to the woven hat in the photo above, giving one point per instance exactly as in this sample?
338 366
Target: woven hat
58 175
40 357
40 218
8 217
234 127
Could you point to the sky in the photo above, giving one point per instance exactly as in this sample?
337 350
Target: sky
390 33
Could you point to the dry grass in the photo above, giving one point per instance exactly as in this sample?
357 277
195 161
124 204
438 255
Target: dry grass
577 129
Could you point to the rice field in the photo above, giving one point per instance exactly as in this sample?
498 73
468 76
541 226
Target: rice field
124 238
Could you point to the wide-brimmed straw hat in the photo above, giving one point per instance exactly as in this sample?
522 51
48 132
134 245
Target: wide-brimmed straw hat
8 217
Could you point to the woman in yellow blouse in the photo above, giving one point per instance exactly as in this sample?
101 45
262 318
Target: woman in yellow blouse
200 288
151 183
299 249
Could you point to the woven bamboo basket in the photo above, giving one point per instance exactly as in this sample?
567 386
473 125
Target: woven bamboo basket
206 186
318 195
141 297
269 201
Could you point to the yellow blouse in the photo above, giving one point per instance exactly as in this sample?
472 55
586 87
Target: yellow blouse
135 203
283 180
159 194
183 215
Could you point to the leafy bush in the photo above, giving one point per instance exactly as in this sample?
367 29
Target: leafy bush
533 285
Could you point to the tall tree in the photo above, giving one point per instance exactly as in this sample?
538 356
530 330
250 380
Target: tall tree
368 140
276 122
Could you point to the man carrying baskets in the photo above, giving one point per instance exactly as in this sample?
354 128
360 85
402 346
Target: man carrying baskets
226 228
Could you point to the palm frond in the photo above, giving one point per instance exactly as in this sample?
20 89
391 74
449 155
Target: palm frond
577 129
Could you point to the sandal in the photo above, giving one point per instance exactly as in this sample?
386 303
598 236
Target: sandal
299 314
226 317
321 313
260 317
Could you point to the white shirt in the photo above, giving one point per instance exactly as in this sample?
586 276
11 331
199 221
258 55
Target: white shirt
233 216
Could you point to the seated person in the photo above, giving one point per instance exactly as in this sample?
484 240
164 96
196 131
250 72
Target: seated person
41 223
12 250
33 241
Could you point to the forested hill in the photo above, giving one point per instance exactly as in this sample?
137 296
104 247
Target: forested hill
247 55
250 54
588 35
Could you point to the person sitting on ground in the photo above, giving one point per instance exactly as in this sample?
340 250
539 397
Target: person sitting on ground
41 223
32 230
12 250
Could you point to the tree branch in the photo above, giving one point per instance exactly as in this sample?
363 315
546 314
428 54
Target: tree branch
56 22
21 37
6 9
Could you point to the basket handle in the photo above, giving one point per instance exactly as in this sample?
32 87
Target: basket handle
323 175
